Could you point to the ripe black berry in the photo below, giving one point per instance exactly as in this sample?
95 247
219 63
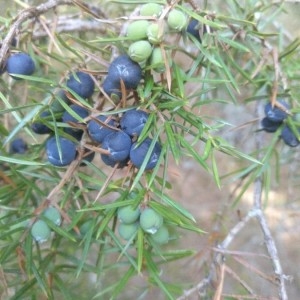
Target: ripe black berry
138 153
98 131
289 137
275 114
110 162
82 84
40 127
193 29
269 125
88 155
67 148
68 117
124 68
112 87
20 64
118 144
133 122
18 145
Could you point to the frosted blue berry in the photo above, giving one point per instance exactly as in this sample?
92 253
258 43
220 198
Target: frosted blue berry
20 64
138 154
269 126
275 114
68 151
118 144
18 145
82 84
289 137
40 127
124 68
133 122
97 130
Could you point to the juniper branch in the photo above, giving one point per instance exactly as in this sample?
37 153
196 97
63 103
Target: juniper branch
24 15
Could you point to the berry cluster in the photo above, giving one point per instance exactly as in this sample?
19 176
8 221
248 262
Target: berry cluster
122 69
116 136
275 117
148 219
147 34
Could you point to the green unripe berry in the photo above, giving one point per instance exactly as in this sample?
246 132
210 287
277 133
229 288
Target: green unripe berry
56 105
127 214
85 227
137 30
150 220
154 34
133 194
52 214
157 60
140 51
151 10
40 231
127 231
161 236
177 20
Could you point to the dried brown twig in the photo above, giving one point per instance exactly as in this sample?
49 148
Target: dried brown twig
26 14
72 24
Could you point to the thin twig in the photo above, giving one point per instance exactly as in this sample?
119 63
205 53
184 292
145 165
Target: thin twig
269 241
219 255
72 25
24 15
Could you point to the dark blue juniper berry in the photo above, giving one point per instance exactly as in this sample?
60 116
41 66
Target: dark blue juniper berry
112 87
269 126
124 68
67 117
110 162
97 129
138 153
118 144
193 29
82 84
20 64
19 146
275 114
61 151
40 127
289 137
133 121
